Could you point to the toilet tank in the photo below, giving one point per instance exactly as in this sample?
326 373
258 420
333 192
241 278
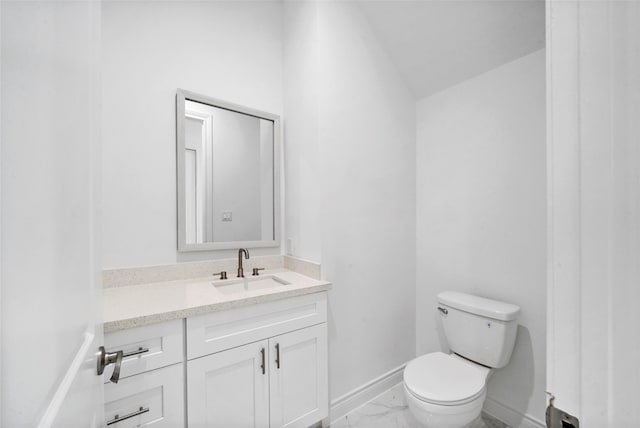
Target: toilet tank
479 329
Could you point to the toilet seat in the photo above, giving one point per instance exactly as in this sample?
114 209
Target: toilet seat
445 380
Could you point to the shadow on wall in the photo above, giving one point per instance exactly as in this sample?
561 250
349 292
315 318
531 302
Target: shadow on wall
511 386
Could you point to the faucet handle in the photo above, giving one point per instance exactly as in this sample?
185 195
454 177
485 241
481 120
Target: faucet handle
256 271
223 274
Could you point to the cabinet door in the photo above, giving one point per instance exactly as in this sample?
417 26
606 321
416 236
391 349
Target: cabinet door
151 399
298 377
229 389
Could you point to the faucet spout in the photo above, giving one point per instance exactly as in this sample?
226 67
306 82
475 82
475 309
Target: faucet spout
246 256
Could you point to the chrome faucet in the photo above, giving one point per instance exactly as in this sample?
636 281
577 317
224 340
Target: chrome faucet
246 256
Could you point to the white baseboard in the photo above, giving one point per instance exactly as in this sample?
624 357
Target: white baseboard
364 393
510 416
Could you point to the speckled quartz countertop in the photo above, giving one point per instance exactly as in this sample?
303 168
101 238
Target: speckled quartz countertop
138 305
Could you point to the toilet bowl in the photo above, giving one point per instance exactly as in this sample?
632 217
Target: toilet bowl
448 390
445 391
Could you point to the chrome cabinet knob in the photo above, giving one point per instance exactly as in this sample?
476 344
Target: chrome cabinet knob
106 358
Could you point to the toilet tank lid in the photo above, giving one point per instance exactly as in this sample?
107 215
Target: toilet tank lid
479 305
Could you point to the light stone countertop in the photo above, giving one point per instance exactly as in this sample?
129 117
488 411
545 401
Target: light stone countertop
138 305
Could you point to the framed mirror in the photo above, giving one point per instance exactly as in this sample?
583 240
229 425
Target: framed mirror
227 174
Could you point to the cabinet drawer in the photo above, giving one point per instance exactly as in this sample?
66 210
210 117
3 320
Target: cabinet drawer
218 331
164 342
154 398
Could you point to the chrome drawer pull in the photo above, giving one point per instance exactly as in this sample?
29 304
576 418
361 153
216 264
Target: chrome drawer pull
117 418
140 350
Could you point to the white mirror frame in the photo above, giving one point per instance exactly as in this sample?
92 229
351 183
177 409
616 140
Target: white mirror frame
181 97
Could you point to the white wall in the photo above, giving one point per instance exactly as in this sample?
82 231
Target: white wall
227 50
481 213
350 142
300 130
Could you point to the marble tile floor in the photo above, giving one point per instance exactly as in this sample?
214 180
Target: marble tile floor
389 410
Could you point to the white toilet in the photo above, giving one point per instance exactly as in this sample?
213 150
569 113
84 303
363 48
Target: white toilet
447 391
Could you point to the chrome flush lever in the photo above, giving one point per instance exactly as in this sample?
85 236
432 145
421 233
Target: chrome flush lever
105 358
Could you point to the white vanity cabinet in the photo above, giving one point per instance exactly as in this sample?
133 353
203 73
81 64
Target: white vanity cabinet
263 365
260 366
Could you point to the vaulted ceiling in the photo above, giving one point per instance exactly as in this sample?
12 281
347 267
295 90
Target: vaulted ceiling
437 44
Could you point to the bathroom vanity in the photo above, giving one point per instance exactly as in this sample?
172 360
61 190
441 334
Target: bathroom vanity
215 344
199 352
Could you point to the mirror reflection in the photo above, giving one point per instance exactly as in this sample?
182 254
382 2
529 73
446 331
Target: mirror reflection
226 175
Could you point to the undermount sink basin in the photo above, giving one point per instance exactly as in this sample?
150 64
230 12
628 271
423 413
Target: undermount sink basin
232 286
